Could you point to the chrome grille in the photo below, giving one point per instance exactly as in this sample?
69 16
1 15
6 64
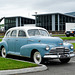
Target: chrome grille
59 51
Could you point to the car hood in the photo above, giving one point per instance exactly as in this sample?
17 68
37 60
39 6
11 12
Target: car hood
46 40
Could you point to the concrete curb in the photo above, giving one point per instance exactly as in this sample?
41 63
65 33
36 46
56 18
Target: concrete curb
25 70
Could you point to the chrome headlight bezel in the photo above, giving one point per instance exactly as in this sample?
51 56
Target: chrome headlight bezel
71 47
47 47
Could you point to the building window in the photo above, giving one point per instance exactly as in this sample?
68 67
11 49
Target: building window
56 22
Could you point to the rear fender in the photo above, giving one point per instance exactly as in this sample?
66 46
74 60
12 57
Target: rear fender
4 44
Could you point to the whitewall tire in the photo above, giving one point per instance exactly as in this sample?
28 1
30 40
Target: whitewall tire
3 52
37 57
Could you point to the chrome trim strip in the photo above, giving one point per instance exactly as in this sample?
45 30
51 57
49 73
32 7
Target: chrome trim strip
58 56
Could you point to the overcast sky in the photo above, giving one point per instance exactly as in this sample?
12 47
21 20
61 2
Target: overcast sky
27 8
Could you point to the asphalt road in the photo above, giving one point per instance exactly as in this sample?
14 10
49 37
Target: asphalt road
54 67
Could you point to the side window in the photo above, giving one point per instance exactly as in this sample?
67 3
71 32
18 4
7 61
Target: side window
13 33
8 34
21 33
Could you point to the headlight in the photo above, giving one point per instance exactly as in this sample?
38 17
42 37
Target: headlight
47 47
71 46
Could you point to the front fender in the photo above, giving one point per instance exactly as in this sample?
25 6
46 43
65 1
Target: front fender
68 45
27 49
3 43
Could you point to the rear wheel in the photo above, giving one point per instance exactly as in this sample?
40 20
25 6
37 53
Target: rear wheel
74 35
65 60
68 35
3 52
37 57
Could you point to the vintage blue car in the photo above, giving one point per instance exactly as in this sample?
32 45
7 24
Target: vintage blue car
35 43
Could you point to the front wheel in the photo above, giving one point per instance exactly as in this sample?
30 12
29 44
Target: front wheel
65 60
37 57
3 52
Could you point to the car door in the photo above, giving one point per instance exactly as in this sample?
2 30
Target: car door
21 40
11 41
7 38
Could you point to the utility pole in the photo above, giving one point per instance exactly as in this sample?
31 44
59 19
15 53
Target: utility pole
35 17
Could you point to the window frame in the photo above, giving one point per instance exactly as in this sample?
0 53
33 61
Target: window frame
11 33
7 33
21 36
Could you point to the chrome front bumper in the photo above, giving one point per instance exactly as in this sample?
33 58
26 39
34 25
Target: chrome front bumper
60 56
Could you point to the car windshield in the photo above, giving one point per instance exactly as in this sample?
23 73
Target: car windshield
38 32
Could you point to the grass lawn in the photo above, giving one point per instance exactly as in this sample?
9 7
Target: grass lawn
0 40
1 36
67 38
58 35
6 64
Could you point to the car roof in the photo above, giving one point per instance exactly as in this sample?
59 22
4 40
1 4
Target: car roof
25 28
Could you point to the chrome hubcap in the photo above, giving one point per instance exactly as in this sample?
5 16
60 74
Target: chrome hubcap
3 52
37 58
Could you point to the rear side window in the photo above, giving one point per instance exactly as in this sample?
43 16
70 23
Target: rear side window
21 33
8 34
13 33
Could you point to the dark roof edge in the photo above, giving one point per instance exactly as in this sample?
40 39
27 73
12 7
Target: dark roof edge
19 16
54 14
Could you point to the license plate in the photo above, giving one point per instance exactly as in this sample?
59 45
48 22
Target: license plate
63 56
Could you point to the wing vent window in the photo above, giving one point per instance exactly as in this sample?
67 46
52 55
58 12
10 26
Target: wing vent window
21 33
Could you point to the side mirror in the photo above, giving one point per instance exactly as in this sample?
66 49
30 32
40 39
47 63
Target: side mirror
50 34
